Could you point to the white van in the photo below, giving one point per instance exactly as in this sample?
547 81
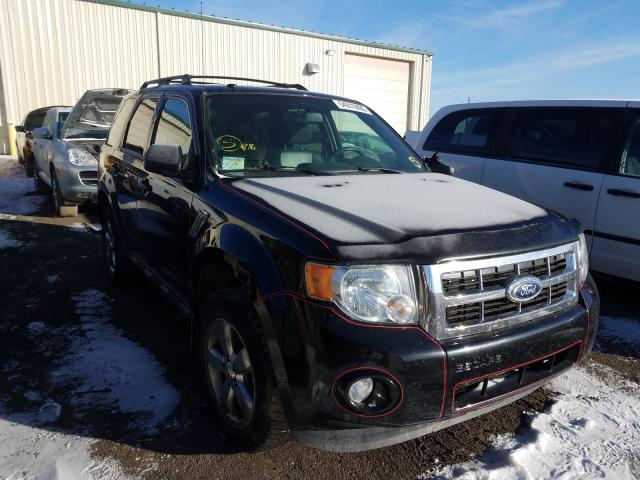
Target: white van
580 158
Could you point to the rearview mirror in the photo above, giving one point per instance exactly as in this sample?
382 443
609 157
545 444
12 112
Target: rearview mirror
164 159
41 132
19 128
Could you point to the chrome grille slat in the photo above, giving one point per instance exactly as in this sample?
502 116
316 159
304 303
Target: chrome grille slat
469 296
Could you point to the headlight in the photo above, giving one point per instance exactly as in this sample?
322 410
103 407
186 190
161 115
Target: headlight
583 259
372 294
81 158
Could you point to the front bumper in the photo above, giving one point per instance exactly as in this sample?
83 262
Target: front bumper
78 184
443 383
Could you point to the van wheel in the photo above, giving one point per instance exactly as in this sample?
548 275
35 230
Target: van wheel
238 377
119 268
38 185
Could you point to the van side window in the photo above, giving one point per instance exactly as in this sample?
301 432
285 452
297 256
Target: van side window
140 126
630 164
464 131
174 127
120 122
574 137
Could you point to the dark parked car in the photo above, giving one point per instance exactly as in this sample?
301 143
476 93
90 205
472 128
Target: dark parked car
346 295
24 137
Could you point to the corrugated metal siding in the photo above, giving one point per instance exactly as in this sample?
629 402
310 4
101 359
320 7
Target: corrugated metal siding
51 51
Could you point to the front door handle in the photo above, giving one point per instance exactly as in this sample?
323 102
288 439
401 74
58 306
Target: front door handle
579 186
623 193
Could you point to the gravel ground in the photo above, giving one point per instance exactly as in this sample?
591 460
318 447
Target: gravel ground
69 340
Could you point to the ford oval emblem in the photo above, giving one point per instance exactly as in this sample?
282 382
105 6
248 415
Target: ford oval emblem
524 288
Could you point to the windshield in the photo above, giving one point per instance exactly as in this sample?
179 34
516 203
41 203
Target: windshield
93 114
274 135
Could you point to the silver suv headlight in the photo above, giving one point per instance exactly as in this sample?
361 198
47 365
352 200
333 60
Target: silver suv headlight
81 158
583 259
371 294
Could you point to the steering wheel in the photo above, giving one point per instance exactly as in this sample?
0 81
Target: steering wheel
360 152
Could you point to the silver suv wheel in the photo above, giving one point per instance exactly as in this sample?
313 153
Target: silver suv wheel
230 373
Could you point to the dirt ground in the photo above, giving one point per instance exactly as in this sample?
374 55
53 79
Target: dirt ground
39 279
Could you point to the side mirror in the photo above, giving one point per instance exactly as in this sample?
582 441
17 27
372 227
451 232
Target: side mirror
19 128
164 159
41 132
434 163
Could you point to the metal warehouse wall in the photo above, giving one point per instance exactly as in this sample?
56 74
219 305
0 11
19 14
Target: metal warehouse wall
51 51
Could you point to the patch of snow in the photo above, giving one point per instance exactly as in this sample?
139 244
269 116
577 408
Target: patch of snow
17 195
6 241
35 327
31 453
112 370
52 278
591 431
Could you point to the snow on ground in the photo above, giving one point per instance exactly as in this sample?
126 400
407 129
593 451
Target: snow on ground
7 241
30 452
107 370
591 431
16 190
113 370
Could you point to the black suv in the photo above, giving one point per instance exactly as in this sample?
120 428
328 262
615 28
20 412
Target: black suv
337 289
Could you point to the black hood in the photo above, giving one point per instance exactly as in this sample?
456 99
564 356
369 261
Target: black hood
385 211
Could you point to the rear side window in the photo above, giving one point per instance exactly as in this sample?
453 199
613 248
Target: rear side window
573 137
34 120
465 131
140 126
630 164
120 122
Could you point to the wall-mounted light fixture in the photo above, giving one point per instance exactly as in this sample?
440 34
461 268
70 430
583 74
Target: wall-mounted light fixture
311 68
330 52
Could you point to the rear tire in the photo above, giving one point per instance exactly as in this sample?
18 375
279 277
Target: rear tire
28 165
237 373
119 268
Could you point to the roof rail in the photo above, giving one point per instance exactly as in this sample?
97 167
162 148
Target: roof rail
188 80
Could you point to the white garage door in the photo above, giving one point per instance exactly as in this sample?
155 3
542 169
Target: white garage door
380 83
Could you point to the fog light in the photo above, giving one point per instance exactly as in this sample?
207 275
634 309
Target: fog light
360 390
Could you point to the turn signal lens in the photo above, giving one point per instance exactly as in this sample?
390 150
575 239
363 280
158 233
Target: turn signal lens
318 279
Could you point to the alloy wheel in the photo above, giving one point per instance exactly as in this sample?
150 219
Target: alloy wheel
231 374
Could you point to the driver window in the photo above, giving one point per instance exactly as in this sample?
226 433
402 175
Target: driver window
630 164
174 128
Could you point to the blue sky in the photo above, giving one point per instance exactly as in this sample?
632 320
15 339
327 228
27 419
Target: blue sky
486 50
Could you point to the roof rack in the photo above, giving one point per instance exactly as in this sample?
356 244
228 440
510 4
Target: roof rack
188 80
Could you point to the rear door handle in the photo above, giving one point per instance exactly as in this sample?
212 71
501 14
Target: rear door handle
579 186
623 193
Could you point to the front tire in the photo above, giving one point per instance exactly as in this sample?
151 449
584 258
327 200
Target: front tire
38 185
61 206
238 376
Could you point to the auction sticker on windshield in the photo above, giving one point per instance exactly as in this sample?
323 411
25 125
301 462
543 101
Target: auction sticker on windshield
354 107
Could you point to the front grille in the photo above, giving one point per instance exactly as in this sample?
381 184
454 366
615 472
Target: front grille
495 309
89 177
469 296
455 282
